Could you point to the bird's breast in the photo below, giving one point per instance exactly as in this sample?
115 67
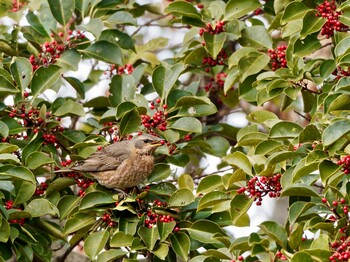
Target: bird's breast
131 172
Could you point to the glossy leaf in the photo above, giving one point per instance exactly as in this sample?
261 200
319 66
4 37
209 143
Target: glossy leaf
181 197
180 243
105 51
62 10
44 78
95 242
149 236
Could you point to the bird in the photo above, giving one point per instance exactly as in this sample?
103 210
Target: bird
123 164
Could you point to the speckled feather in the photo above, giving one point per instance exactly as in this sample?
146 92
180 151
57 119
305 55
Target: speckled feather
123 164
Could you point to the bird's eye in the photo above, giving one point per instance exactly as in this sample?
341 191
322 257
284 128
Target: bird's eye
146 140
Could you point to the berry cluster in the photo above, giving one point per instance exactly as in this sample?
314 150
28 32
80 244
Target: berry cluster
40 189
151 217
106 218
51 51
328 11
258 187
30 118
280 256
217 83
345 163
113 70
110 130
220 60
17 5
340 72
9 205
278 57
340 250
158 120
219 28
81 181
341 247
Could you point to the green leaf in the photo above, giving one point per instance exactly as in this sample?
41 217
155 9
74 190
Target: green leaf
311 24
69 60
120 38
335 131
70 107
121 17
4 130
341 103
164 78
5 231
161 171
181 197
161 251
21 70
149 236
95 242
62 10
122 88
261 116
180 243
7 148
252 64
293 11
299 190
36 24
24 191
297 209
214 43
182 8
40 207
276 232
284 129
67 204
209 183
239 160
211 199
111 255
219 145
77 85
120 239
205 231
164 229
44 78
130 122
186 181
278 157
38 159
302 256
342 47
21 173
327 170
78 221
237 9
105 51
256 36
187 124
94 199
240 205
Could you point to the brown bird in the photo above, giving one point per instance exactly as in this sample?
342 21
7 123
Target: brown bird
123 164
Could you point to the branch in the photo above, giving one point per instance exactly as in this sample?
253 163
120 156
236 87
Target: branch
149 23
299 114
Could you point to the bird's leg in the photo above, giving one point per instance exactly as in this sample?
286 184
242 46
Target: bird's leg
122 195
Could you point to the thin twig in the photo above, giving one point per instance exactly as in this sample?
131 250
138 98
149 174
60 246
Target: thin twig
299 114
148 23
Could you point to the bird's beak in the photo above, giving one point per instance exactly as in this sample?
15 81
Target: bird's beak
155 143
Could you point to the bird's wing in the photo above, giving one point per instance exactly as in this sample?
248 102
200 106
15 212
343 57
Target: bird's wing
109 158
